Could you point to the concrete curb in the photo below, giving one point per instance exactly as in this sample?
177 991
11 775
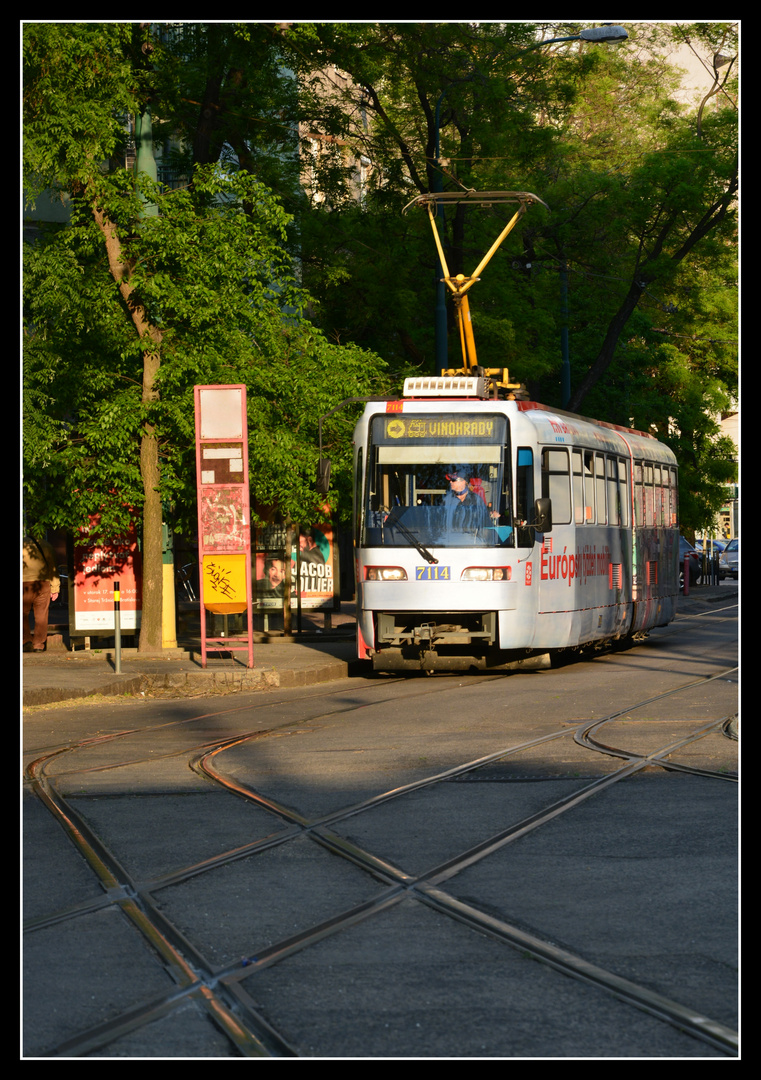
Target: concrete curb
179 684
115 687
228 682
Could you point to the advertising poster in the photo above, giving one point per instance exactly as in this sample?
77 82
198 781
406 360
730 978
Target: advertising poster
312 568
96 567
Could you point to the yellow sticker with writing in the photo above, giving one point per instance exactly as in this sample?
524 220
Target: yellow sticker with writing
224 579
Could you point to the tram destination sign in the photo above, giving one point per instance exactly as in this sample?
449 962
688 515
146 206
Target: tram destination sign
442 428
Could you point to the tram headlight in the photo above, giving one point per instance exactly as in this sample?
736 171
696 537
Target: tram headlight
486 573
385 573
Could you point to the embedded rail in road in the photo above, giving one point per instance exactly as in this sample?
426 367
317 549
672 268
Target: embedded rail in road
333 876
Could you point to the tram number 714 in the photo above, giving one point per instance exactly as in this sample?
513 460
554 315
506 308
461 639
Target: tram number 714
432 573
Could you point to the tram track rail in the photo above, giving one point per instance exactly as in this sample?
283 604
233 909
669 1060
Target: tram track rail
426 888
680 617
220 990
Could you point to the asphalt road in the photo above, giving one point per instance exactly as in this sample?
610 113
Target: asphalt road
217 877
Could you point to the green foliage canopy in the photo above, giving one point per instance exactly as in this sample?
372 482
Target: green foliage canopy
215 279
215 284
642 192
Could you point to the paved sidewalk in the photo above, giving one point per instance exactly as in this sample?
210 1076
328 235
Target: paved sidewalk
706 597
315 656
303 660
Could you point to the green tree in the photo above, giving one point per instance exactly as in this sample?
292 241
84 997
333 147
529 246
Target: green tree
675 200
646 191
401 89
126 312
642 191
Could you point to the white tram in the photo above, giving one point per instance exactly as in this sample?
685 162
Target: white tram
487 530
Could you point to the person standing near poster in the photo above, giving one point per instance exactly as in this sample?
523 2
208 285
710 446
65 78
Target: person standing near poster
41 585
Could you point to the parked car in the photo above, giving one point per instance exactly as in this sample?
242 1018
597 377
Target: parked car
729 560
686 549
718 546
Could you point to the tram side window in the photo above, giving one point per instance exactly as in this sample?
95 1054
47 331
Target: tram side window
649 497
614 500
665 497
673 500
600 489
589 487
524 496
658 496
358 498
578 487
623 492
639 494
556 484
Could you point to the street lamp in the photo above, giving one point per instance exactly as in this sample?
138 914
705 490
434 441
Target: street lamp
594 34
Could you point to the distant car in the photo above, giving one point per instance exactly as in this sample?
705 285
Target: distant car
718 546
686 549
729 560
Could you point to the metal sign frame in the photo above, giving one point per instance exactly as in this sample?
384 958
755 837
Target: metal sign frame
224 515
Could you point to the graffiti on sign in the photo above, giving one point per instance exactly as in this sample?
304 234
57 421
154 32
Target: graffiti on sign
224 582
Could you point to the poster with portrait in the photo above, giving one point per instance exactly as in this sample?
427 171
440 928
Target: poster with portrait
312 568
316 563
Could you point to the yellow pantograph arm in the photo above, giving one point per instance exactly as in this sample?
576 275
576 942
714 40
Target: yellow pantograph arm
439 248
487 257
463 284
467 341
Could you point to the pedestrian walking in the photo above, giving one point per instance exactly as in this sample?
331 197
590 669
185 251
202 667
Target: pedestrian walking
41 584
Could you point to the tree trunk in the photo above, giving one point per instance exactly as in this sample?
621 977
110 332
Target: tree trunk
711 219
151 636
151 625
608 348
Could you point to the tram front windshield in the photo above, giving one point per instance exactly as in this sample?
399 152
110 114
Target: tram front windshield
439 480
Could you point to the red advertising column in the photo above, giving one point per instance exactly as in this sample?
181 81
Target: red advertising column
224 517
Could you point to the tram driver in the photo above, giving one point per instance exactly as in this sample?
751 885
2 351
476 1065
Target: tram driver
465 502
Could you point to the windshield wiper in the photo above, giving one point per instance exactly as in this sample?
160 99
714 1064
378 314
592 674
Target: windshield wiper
408 535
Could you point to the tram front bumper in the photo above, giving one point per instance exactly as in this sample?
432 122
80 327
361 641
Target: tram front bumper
432 630
417 659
